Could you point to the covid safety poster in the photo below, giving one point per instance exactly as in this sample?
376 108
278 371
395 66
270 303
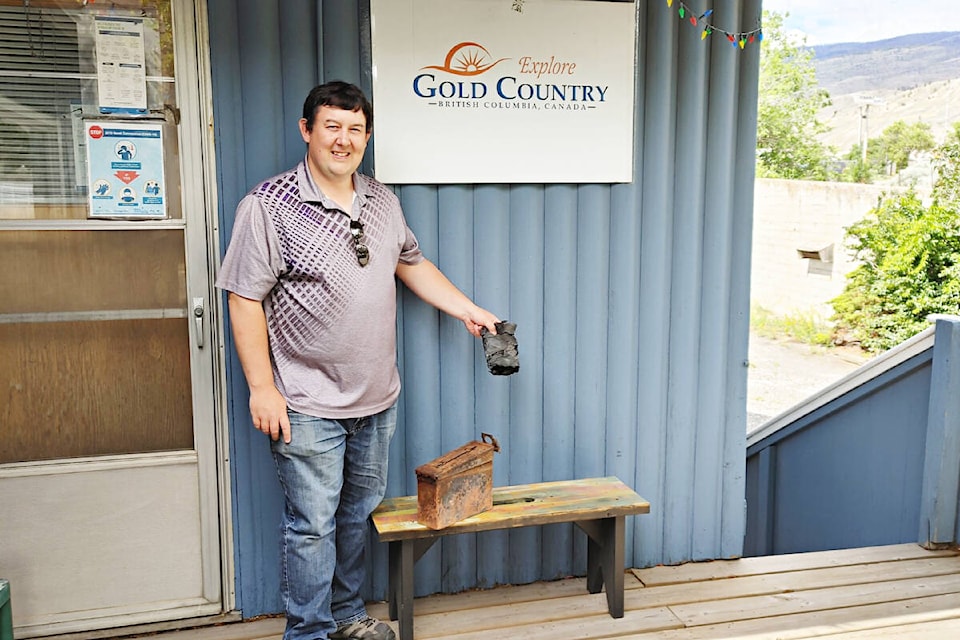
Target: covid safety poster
125 167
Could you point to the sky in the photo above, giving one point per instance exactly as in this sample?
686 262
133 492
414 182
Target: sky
835 21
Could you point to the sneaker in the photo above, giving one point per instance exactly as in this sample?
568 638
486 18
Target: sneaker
366 629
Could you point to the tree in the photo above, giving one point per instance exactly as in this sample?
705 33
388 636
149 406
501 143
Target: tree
890 151
789 100
946 190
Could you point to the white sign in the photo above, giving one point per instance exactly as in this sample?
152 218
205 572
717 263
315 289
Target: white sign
121 72
471 91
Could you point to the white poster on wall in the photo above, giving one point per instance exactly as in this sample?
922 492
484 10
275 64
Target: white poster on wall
121 71
125 166
472 91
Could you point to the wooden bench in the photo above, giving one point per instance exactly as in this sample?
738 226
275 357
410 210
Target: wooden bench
598 506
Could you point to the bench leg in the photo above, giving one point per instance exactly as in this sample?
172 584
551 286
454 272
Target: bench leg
605 558
401 586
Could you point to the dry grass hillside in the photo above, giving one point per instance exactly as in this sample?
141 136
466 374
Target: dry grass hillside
915 78
937 104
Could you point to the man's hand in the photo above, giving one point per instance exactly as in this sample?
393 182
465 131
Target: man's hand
477 319
269 412
267 407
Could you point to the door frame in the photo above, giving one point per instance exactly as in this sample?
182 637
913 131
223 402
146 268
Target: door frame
200 222
200 211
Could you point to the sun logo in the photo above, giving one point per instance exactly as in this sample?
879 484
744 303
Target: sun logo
467 59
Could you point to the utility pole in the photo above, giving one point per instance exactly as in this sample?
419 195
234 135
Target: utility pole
865 102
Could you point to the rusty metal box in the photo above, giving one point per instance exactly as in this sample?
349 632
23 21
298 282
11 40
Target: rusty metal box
456 485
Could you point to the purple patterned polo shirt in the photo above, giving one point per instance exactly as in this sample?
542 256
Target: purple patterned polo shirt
331 323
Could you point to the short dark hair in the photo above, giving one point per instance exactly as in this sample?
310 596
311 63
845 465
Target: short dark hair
341 95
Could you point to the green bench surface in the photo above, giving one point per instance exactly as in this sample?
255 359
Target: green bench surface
519 506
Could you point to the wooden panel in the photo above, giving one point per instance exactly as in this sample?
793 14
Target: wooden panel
91 270
94 388
35 211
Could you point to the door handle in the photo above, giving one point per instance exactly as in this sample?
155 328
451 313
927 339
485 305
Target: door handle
198 312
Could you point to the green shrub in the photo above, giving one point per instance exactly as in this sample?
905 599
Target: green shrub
909 258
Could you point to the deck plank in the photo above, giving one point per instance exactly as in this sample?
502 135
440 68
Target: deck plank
878 593
554 625
817 624
504 594
937 630
715 569
786 582
733 609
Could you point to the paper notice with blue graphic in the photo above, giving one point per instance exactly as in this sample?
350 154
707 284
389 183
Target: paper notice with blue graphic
125 165
121 70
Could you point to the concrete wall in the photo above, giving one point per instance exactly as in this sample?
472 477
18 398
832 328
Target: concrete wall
792 215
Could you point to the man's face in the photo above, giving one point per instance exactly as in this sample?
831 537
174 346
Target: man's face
336 143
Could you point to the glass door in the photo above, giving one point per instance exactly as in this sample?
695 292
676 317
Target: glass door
108 468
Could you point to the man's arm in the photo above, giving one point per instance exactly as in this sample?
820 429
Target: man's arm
267 407
431 286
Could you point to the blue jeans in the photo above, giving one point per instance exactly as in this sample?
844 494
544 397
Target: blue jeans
333 474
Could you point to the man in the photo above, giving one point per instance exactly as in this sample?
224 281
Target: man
311 272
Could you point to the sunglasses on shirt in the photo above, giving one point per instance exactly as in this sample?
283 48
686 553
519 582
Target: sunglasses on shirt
363 253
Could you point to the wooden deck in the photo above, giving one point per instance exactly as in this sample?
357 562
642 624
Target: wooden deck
875 593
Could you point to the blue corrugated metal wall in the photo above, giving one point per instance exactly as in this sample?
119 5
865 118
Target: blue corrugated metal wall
631 300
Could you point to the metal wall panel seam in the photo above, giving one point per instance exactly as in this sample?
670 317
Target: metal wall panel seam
715 310
685 296
457 371
623 375
635 543
421 375
491 254
526 386
559 361
256 496
735 414
656 230
297 24
261 88
593 277
766 500
592 282
341 43
526 252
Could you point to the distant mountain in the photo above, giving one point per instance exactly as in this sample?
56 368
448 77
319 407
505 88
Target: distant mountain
895 64
914 78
